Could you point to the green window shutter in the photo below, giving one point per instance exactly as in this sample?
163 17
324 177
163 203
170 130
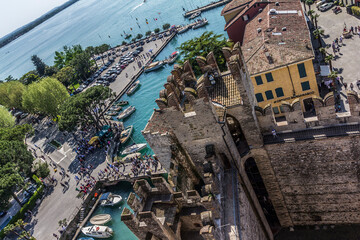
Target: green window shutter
258 80
259 97
302 70
279 92
305 85
269 95
269 77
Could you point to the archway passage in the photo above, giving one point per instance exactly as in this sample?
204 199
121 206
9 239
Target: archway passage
237 135
309 108
262 195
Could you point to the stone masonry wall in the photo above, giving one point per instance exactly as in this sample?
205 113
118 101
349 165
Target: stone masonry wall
319 179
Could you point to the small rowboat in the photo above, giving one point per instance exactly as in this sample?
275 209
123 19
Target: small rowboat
133 88
116 108
97 231
100 219
111 113
126 113
121 103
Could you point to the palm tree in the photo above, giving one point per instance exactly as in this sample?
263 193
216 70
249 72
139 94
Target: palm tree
21 224
333 75
323 52
316 16
317 34
328 60
303 1
309 3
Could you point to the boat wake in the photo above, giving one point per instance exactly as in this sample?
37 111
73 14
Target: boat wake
137 7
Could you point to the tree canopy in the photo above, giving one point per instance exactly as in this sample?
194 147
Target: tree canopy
39 65
64 57
16 133
84 108
6 119
201 46
66 75
11 94
166 26
29 77
45 96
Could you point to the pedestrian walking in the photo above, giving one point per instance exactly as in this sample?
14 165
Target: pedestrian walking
341 39
274 133
351 86
345 85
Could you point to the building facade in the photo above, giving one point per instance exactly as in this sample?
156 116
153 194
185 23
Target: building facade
278 52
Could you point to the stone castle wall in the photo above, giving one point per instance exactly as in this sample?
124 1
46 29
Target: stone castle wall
319 179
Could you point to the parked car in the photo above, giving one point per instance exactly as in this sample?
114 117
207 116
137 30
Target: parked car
137 44
132 46
148 40
325 7
139 49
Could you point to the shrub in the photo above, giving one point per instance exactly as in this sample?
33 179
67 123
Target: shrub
148 33
157 30
355 10
139 36
166 26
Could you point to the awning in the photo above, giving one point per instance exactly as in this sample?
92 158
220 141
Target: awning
93 139
324 70
104 196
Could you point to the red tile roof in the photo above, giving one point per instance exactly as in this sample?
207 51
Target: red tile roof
267 39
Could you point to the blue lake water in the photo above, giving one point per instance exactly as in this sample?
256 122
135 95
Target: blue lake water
91 22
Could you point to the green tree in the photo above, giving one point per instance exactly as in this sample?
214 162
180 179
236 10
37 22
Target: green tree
323 52
6 119
9 180
10 78
123 43
65 57
139 36
11 94
316 17
157 30
16 152
309 3
82 65
16 133
50 71
148 33
166 26
29 77
85 109
318 33
201 46
39 64
66 75
128 36
42 169
45 96
328 60
20 224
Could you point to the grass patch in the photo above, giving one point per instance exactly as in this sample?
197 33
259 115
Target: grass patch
55 144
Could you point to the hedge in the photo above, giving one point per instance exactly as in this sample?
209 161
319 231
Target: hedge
27 206
355 10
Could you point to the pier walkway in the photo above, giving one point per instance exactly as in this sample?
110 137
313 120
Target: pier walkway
206 7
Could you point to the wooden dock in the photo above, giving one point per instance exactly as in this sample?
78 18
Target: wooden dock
207 7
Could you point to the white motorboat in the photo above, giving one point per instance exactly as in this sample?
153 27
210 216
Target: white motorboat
125 135
183 29
100 219
97 231
133 88
126 113
134 148
200 23
173 57
195 15
153 66
109 199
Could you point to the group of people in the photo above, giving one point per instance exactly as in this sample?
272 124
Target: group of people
143 163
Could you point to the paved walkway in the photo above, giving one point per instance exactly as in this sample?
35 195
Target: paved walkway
345 61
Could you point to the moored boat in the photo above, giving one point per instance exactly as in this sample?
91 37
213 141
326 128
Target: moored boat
183 29
111 113
97 231
100 219
109 199
153 66
173 57
86 238
134 148
133 88
115 108
126 113
195 14
125 134
200 23
122 103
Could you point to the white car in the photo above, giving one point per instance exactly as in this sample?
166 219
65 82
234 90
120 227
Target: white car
325 7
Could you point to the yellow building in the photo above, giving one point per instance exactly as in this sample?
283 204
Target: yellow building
278 53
